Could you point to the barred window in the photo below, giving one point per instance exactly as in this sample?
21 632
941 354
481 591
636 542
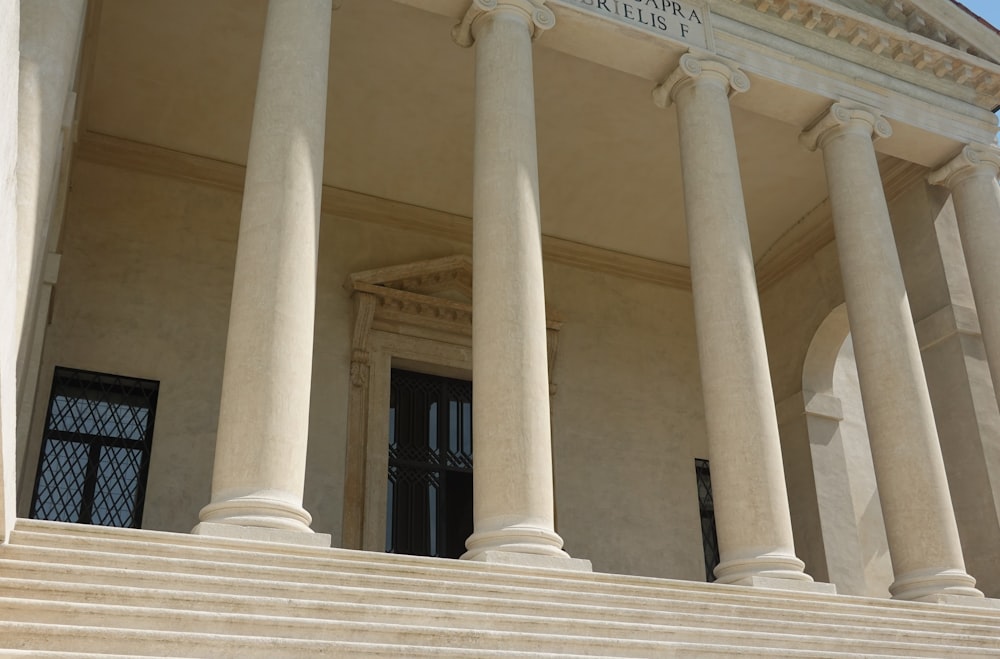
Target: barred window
95 452
709 541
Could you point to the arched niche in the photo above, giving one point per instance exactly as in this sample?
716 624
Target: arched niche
850 514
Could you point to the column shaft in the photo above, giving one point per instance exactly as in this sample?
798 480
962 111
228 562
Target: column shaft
752 518
513 489
972 177
920 522
260 454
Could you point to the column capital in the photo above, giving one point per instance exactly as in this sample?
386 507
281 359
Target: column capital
972 160
537 16
841 118
691 69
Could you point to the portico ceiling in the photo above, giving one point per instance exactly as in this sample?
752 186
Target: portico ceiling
180 74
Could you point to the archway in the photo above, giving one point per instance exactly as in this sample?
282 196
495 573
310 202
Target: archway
851 520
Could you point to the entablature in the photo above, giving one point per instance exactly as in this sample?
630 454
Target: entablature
941 82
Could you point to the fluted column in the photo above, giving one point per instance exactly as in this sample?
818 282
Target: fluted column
260 453
513 510
920 522
972 177
751 504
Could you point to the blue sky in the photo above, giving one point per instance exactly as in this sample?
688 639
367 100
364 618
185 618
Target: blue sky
988 9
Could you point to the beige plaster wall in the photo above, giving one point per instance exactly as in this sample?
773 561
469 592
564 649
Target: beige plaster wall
149 257
627 424
9 27
152 257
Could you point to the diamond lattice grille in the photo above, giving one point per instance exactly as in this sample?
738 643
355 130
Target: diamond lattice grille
710 541
95 452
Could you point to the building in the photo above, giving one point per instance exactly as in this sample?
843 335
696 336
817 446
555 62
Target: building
722 274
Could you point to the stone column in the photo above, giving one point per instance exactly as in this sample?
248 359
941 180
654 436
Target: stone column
513 509
751 505
260 454
10 21
920 522
972 177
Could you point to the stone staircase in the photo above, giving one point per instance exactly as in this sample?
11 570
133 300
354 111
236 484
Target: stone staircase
79 591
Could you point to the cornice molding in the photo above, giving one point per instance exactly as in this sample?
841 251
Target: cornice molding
924 46
359 207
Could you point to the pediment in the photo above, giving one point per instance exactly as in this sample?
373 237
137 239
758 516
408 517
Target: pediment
425 295
929 37
448 278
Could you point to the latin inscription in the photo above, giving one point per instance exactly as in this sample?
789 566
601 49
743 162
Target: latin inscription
681 21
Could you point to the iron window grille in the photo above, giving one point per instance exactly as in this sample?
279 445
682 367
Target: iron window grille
429 497
709 540
95 452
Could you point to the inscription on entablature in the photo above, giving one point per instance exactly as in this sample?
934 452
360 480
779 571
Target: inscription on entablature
678 20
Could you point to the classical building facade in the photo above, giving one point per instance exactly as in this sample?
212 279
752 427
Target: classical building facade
602 297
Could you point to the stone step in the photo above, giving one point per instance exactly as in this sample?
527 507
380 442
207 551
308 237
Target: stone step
268 596
330 560
743 602
561 638
84 642
476 613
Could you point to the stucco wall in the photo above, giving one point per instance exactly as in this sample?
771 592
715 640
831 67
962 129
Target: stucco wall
144 291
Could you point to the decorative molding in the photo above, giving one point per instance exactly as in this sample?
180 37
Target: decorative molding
972 160
356 206
809 403
539 17
691 68
823 405
924 45
945 323
420 313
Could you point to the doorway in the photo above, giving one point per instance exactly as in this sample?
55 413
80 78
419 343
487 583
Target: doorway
429 493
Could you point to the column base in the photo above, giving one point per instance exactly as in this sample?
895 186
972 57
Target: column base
519 539
932 584
263 534
262 514
767 571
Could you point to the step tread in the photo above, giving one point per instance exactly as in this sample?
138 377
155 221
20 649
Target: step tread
493 609
542 583
475 639
52 634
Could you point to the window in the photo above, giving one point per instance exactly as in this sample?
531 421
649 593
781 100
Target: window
429 498
95 451
709 541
